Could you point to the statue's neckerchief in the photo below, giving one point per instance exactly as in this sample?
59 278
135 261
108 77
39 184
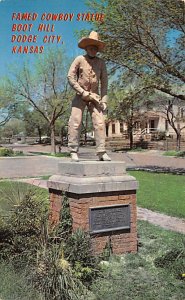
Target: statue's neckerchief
91 57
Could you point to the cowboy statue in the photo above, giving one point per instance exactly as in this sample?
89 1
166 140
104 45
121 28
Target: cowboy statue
85 75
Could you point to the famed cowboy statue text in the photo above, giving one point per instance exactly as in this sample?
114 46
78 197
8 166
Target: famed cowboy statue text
88 77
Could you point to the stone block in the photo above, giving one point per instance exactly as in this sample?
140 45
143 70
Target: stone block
92 168
92 177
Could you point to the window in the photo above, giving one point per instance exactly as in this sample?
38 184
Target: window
107 130
113 128
121 127
137 125
152 125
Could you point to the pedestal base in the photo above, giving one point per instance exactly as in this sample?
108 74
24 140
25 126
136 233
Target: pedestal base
102 200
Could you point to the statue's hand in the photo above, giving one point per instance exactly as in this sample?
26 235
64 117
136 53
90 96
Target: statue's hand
85 96
94 98
103 106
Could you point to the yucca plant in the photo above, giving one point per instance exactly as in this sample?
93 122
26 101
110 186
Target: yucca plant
13 193
54 275
59 281
64 262
22 210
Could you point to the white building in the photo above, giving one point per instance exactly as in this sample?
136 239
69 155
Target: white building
151 124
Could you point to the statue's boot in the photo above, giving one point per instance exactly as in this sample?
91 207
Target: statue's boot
103 156
74 157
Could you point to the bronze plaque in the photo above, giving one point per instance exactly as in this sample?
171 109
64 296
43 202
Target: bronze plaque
109 218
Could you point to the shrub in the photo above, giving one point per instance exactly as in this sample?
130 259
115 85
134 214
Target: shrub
76 246
64 261
180 154
22 212
64 227
6 152
18 153
54 275
59 263
173 260
78 251
161 135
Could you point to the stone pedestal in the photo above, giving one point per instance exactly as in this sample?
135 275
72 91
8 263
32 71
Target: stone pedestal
102 198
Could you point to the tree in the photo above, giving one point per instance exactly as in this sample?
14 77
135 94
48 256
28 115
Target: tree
62 124
43 85
174 110
12 127
126 99
8 107
146 38
35 123
174 120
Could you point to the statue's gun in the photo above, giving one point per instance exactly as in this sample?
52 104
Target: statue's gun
95 98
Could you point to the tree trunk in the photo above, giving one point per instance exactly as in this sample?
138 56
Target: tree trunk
131 139
53 145
130 134
62 136
178 144
40 134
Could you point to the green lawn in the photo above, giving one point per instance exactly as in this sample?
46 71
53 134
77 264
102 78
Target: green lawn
161 192
139 276
174 153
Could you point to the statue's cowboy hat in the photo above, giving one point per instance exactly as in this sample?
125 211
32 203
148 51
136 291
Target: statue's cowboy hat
91 40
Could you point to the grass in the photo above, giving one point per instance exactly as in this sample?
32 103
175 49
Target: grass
164 193
14 286
137 277
174 153
62 154
45 177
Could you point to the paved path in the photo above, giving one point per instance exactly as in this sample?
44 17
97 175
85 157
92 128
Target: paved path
34 181
167 222
33 166
155 158
28 166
